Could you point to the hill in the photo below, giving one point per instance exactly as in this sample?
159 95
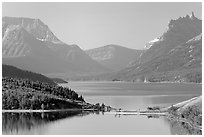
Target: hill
114 57
13 72
24 94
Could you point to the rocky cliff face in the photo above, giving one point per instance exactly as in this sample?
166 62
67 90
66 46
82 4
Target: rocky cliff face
175 56
34 26
179 31
28 40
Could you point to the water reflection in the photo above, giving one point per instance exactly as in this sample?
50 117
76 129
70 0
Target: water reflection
38 123
138 102
15 123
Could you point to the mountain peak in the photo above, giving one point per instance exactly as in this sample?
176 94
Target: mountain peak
30 44
21 21
177 49
183 20
192 15
34 26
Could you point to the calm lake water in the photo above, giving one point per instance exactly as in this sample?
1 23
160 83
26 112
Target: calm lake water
128 96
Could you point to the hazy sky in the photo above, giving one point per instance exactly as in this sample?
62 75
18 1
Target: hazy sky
91 25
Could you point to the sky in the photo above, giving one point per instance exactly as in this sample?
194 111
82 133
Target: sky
92 25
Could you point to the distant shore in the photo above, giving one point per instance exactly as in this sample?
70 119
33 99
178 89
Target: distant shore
147 82
141 113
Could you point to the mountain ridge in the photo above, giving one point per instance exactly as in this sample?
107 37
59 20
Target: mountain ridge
177 51
21 48
114 56
175 56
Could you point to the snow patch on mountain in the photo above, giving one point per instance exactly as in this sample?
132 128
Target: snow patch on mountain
197 38
34 26
150 43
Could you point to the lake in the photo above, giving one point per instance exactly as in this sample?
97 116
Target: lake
125 95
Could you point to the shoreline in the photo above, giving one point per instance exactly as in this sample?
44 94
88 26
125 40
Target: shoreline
42 111
143 113
29 110
101 81
115 112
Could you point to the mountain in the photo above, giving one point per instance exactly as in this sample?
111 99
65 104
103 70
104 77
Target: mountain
114 56
34 26
174 56
13 72
23 50
179 31
31 45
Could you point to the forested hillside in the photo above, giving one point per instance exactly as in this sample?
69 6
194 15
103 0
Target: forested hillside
13 72
25 94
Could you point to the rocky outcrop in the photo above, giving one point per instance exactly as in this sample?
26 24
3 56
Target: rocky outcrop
175 56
